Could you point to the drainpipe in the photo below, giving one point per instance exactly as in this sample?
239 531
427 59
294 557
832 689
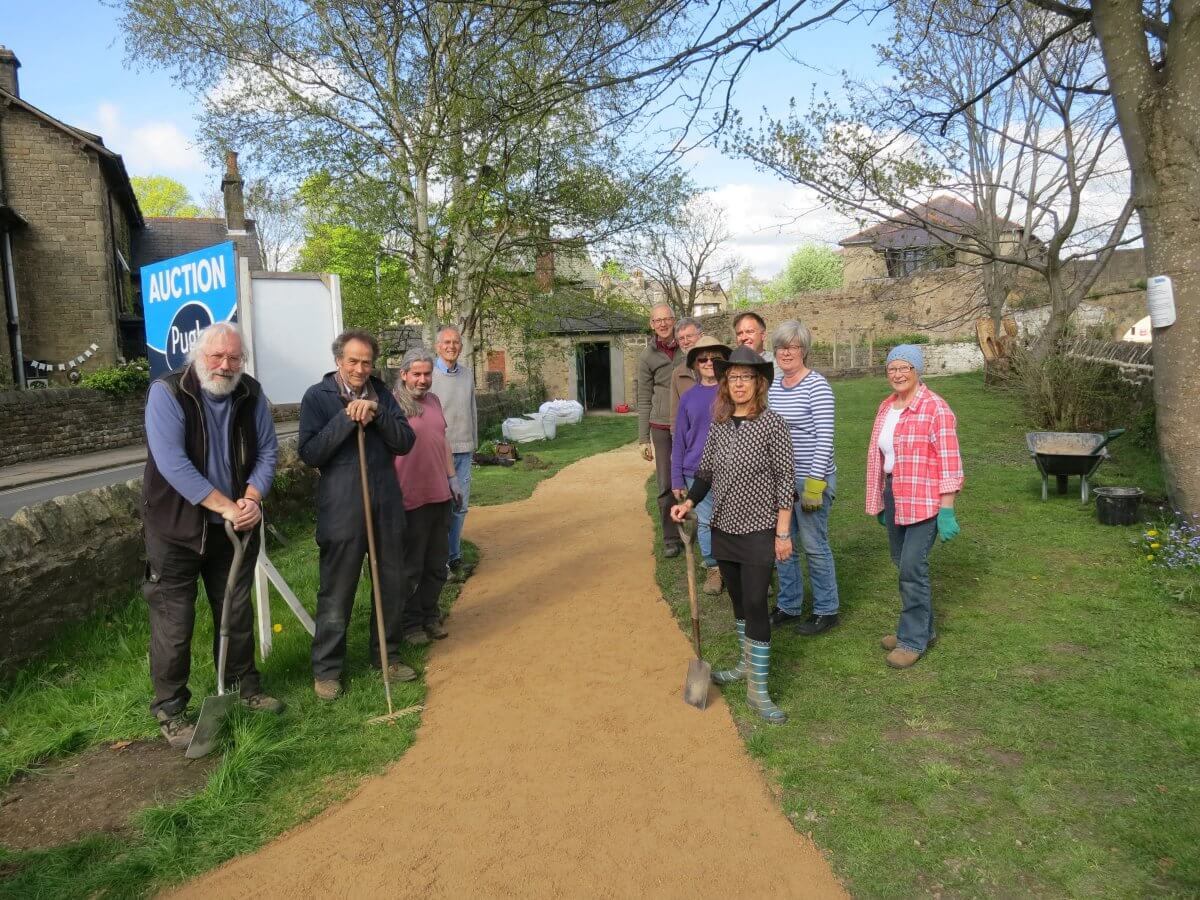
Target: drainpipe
11 315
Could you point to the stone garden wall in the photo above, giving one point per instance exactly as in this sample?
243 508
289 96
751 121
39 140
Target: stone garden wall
41 424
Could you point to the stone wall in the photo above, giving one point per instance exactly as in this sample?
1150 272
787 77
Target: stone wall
65 422
66 287
63 560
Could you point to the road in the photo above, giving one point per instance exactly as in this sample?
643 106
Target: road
15 498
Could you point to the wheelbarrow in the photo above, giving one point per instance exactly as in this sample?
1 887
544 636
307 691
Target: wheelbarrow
1065 453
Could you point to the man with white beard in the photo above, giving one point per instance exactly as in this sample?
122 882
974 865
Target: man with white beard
212 452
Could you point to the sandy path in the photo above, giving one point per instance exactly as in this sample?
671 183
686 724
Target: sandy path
555 756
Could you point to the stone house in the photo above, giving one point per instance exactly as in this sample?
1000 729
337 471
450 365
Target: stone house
73 239
67 216
711 297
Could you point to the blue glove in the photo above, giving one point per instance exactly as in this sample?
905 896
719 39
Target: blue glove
881 517
456 493
947 524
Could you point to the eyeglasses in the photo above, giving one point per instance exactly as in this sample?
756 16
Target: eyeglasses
741 379
899 370
215 359
707 359
789 349
662 321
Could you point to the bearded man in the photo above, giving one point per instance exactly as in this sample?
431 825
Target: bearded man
212 453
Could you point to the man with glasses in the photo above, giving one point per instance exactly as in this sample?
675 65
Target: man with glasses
655 365
212 452
683 378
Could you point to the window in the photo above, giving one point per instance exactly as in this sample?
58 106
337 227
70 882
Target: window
906 261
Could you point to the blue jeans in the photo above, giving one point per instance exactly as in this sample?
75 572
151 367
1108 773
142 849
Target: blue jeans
910 546
810 533
462 468
703 530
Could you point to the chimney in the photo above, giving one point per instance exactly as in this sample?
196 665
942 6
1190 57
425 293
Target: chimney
543 272
235 201
8 71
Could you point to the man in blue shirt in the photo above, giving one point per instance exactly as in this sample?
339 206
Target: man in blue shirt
212 454
454 386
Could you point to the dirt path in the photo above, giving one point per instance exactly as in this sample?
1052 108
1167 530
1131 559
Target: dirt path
555 757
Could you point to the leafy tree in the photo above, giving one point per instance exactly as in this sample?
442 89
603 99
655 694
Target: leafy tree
810 268
159 195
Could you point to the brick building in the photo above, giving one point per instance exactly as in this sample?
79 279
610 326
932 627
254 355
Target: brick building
72 240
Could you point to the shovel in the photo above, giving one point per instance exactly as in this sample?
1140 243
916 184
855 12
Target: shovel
699 673
215 710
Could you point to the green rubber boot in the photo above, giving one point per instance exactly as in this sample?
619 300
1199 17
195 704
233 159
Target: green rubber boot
738 672
759 660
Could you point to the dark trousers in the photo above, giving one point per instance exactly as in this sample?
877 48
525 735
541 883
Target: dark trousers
660 440
426 550
747 586
169 586
910 546
341 565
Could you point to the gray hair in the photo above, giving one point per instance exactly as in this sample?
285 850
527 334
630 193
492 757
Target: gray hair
211 333
408 403
689 322
445 328
792 331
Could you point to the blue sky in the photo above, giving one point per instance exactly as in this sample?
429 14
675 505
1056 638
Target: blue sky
73 66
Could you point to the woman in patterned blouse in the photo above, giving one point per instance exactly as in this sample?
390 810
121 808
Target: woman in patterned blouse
914 471
747 465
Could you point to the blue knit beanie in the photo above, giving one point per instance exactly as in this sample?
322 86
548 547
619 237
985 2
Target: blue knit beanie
909 353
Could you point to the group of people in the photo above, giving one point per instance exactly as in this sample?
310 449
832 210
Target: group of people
212 452
742 439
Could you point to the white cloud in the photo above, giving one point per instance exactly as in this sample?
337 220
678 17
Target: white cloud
769 220
149 147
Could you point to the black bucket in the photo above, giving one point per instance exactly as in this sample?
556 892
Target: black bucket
1117 505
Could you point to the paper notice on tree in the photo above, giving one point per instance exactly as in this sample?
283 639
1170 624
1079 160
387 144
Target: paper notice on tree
1160 298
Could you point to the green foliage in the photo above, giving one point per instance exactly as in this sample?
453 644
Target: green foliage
119 381
158 195
892 340
1066 393
812 267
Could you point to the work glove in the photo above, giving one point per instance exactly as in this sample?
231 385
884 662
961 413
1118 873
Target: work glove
881 518
947 524
456 493
812 500
647 453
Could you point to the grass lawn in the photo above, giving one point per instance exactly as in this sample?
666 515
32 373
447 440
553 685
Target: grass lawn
1049 745
93 687
492 485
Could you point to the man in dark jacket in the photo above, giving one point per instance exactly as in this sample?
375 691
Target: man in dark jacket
212 452
331 413
655 366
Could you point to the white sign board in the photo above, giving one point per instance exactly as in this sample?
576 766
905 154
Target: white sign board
294 317
1160 298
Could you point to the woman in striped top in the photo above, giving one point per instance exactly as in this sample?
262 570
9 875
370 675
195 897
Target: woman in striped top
803 399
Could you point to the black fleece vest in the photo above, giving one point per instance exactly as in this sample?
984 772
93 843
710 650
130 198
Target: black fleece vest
165 513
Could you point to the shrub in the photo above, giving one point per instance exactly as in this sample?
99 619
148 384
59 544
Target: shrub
1066 393
892 340
119 381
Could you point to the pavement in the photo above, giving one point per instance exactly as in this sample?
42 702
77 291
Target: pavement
65 470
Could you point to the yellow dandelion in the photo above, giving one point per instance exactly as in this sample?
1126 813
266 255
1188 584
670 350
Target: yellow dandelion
1150 556
1152 533
277 628
1155 546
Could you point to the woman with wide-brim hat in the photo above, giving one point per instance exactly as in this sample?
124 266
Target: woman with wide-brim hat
690 428
914 473
747 466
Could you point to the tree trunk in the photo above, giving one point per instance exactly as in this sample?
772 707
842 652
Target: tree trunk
1062 304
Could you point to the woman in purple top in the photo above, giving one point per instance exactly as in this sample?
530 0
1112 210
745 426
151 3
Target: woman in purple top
690 431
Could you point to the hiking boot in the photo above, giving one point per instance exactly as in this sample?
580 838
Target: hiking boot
330 689
670 551
758 657
902 659
712 581
417 637
436 630
261 702
456 571
738 672
400 672
176 729
817 624
779 617
888 642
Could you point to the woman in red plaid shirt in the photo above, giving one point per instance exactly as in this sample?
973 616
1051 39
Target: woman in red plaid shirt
914 470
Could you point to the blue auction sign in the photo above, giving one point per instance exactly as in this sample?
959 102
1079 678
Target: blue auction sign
183 295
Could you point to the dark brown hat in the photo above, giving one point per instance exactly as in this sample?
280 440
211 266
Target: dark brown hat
744 356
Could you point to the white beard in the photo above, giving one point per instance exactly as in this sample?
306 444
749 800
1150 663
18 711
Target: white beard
217 385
